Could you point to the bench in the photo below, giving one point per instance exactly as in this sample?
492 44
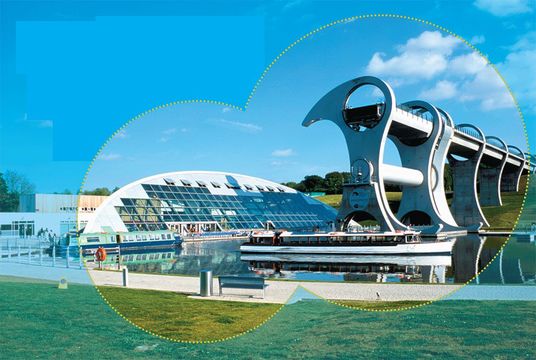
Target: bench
241 282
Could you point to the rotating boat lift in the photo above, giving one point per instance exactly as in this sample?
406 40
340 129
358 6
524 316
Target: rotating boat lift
424 145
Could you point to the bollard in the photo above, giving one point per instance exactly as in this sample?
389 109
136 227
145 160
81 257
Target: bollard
18 254
40 255
67 257
8 251
80 260
54 255
205 283
125 277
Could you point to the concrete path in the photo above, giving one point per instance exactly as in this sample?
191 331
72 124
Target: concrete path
279 292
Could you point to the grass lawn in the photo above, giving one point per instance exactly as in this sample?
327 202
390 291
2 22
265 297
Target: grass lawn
505 216
40 321
379 305
500 217
335 200
179 317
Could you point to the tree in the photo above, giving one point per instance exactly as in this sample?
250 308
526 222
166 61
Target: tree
333 182
102 191
8 202
313 183
290 184
447 177
18 184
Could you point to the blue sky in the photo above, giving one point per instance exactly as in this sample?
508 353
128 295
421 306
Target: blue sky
75 82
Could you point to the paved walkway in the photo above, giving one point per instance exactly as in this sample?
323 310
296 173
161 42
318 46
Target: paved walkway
279 292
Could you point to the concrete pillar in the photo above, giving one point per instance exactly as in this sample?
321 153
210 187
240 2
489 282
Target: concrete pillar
490 178
490 185
467 251
511 176
427 273
429 158
465 205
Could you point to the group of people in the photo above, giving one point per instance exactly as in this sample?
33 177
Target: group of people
47 234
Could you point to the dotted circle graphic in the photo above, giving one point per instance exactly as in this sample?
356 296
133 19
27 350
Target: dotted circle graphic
245 107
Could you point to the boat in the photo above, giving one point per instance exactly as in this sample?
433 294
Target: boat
128 241
359 243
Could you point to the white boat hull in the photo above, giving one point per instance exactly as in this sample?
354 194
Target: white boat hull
402 260
437 247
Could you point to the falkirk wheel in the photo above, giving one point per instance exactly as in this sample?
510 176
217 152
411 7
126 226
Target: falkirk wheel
424 144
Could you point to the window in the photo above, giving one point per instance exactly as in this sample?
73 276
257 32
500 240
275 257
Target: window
201 183
186 182
169 181
232 186
215 184
259 187
249 187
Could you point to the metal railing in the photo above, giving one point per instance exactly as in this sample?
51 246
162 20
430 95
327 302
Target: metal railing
37 251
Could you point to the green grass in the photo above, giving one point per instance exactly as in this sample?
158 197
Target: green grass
335 200
179 317
505 216
499 217
40 321
331 200
379 305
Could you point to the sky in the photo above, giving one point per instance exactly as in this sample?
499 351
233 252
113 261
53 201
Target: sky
77 79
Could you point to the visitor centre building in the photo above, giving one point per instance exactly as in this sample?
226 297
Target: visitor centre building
202 201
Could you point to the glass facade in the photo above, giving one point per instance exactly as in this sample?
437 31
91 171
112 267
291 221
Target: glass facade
250 210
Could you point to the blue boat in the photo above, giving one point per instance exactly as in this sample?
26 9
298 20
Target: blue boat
128 241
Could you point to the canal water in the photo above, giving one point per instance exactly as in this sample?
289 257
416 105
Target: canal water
470 255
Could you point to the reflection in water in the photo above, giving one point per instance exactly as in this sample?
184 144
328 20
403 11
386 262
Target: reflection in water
470 255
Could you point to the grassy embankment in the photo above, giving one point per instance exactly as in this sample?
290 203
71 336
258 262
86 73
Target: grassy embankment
179 317
500 217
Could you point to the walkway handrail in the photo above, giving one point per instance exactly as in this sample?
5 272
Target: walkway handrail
447 119
477 133
519 152
497 141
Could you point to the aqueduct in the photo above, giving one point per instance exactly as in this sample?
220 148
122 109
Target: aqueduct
424 145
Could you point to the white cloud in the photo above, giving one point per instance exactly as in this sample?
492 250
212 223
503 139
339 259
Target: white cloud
283 153
504 7
487 88
46 123
242 126
431 41
121 134
519 68
442 90
226 109
467 64
464 76
169 131
167 134
478 39
422 57
109 157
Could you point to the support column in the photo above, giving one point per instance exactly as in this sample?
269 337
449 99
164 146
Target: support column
490 180
465 205
512 174
429 158
466 257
